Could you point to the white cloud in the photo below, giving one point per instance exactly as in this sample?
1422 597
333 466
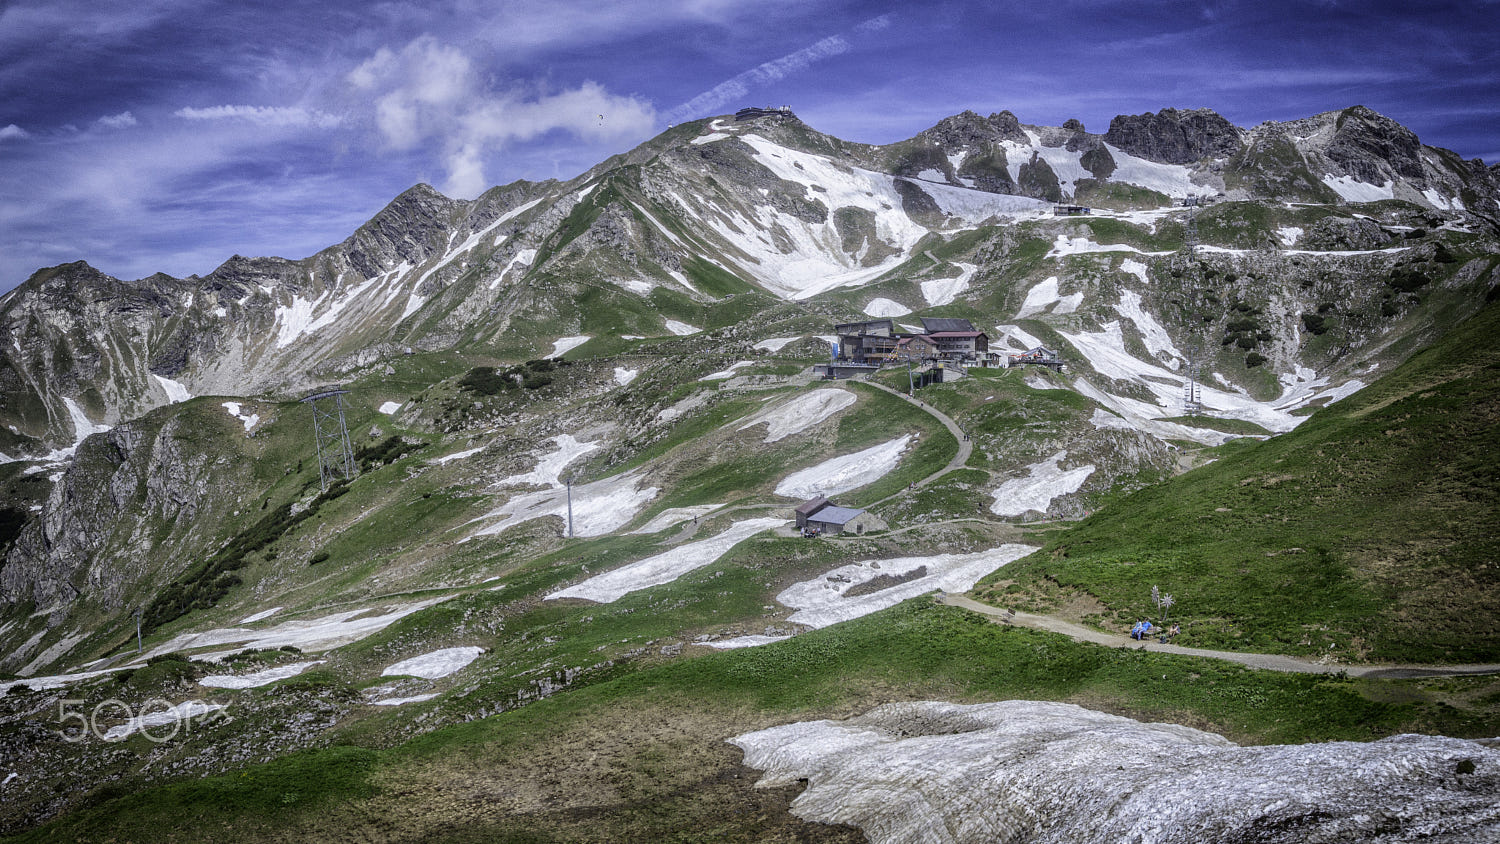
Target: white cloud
737 88
13 132
430 92
117 121
261 115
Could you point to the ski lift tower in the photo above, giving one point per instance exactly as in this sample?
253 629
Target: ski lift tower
331 436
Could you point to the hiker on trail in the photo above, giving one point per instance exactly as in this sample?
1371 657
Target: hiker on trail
1174 631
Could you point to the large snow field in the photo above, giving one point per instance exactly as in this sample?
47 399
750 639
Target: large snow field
257 679
882 307
675 516
943 291
816 261
842 474
434 665
1044 482
1056 773
800 413
666 566
822 601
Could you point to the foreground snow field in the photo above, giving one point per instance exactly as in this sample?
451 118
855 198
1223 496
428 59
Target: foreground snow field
933 773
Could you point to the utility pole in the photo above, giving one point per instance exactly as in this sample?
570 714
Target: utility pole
911 389
570 506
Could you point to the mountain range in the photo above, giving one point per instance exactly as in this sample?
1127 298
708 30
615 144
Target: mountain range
611 376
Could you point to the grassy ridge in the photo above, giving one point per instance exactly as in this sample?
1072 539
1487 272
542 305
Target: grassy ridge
1367 531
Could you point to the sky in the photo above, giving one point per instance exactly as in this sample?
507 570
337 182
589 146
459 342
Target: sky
167 135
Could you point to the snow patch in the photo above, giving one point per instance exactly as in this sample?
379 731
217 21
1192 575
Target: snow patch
82 427
801 413
709 138
1044 482
389 408
882 307
250 420
944 290
681 329
624 376
1288 235
1351 189
676 515
1155 337
726 373
261 616
1012 332
325 633
257 679
171 715
1135 268
842 474
457 455
1042 294
434 665
398 701
1065 245
598 507
174 390
563 345
776 344
664 567
823 601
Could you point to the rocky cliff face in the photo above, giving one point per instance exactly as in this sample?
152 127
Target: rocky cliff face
1174 137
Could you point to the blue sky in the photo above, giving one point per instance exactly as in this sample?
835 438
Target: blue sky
167 135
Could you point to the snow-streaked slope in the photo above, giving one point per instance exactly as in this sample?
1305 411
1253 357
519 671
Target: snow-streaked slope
842 474
664 567
1056 773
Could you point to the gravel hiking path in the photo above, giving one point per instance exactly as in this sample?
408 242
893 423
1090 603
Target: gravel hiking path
1268 662
965 448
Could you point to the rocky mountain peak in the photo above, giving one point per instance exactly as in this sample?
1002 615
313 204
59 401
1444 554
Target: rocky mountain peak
407 230
1172 136
968 130
1368 144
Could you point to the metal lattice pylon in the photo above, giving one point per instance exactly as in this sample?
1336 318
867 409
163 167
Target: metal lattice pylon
331 436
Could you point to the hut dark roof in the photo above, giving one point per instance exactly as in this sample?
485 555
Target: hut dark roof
933 325
811 506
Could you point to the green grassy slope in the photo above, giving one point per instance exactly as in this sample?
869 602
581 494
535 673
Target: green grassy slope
1369 531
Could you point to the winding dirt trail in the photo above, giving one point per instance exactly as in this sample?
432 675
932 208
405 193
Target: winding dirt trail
965 447
1268 662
